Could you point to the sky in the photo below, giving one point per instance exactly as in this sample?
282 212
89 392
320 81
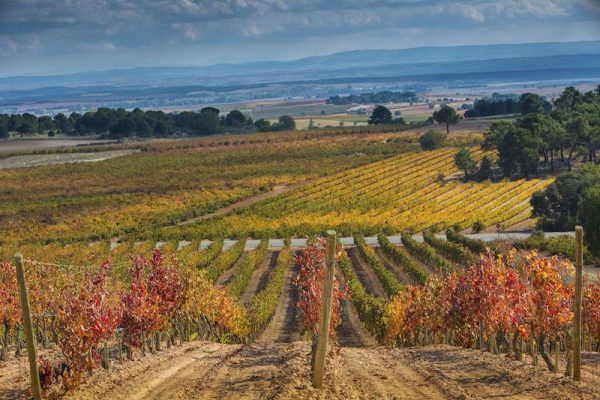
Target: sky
40 37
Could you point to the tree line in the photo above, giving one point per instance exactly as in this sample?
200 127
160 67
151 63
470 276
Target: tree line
502 104
569 130
374 98
120 123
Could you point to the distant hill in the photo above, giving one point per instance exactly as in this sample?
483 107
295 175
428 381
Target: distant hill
350 60
407 69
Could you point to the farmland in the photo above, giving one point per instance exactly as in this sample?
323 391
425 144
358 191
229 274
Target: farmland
224 312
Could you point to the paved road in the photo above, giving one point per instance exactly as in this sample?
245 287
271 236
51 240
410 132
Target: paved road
276 244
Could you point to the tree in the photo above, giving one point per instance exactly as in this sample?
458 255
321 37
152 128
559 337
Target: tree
4 126
380 115
235 119
517 149
485 169
446 115
262 125
286 123
431 140
62 123
45 123
464 161
124 127
558 204
206 123
160 128
210 110
589 215
531 103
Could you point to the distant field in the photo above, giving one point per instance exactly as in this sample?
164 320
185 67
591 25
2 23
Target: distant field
36 160
334 120
18 145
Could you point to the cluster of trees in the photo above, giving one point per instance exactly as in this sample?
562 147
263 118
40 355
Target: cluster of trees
465 162
374 98
120 123
573 199
382 115
569 130
502 104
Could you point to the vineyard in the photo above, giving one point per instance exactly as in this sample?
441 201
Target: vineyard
105 309
126 292
414 191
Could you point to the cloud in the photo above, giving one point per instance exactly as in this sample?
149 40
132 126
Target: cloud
43 32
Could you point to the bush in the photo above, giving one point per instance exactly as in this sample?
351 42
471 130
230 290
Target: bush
453 251
432 140
387 279
370 309
406 263
475 245
425 254
478 226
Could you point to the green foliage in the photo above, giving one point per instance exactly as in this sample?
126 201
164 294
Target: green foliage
497 104
405 262
251 262
563 246
386 277
453 251
432 140
225 261
374 98
571 130
475 245
531 103
286 123
464 161
478 226
485 169
557 205
263 125
426 254
380 115
446 115
235 119
518 150
264 303
370 309
589 215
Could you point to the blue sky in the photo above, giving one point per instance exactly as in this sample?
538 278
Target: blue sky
60 36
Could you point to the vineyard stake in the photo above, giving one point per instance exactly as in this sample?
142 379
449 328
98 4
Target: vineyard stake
325 317
578 299
36 390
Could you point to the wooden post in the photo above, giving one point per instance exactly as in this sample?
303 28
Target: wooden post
481 334
36 390
325 317
556 355
578 300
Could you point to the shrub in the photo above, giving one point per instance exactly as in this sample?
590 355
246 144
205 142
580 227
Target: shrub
432 140
479 226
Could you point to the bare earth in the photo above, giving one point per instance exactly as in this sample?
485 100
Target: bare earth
281 371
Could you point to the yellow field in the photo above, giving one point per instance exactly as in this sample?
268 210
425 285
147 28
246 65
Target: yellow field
413 191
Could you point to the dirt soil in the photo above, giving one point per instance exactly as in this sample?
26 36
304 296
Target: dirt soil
281 371
366 275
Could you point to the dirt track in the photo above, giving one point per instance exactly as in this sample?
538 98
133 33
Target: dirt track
281 371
